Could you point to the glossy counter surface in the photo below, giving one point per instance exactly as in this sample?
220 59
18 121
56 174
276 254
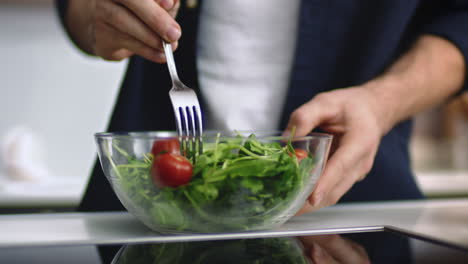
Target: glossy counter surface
445 221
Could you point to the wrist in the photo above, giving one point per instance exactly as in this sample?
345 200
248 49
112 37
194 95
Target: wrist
383 103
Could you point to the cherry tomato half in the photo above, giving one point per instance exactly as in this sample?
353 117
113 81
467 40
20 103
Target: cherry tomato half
300 154
171 170
166 146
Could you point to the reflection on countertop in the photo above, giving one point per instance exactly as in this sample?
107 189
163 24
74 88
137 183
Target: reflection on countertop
382 247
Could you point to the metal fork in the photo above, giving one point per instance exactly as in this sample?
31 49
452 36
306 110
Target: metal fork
186 109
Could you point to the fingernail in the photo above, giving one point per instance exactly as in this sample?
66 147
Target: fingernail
173 34
174 45
316 199
166 4
161 55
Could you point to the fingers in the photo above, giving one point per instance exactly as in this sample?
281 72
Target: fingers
166 4
155 17
174 9
306 208
352 160
321 256
335 248
123 20
312 114
350 115
115 45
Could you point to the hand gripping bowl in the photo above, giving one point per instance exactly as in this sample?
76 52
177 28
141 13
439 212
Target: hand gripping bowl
242 181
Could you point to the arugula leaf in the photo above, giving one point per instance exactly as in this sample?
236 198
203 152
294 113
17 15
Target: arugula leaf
237 184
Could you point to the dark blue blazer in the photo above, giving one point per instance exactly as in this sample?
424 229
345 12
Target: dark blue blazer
341 43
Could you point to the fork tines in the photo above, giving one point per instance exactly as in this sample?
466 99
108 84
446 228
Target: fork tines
189 128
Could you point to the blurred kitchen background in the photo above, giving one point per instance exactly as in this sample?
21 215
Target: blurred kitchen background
55 98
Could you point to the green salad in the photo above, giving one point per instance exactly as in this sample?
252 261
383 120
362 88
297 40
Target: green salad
235 184
244 251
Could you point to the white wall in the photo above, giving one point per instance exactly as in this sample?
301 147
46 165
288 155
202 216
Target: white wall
63 96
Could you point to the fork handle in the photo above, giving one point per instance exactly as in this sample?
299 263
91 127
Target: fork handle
170 62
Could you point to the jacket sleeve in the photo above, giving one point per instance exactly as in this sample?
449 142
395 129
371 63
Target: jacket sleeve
61 6
450 21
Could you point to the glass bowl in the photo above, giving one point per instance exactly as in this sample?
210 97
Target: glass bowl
242 181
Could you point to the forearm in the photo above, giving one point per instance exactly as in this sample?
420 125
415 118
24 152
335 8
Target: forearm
432 70
78 23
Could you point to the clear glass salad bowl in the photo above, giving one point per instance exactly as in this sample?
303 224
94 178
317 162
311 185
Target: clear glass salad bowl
242 181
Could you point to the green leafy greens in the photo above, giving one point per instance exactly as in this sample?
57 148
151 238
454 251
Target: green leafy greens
237 184
244 251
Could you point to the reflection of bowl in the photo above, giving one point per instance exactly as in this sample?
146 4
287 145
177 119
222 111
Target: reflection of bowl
238 183
267 250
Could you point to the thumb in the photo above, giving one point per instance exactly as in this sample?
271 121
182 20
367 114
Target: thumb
308 116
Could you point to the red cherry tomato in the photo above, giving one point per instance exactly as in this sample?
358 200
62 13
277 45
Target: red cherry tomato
300 154
166 146
171 170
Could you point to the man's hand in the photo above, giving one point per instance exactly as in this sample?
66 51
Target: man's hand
432 70
352 116
118 29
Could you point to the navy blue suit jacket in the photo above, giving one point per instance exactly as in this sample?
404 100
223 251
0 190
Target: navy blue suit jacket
341 43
